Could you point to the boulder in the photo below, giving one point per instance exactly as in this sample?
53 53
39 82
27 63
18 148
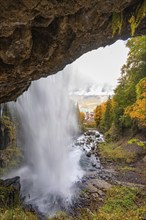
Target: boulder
88 154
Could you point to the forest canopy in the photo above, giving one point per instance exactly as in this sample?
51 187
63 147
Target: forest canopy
127 108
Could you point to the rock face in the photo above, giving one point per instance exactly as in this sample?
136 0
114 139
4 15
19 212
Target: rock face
39 37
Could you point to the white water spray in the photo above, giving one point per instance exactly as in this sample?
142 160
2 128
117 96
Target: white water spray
48 124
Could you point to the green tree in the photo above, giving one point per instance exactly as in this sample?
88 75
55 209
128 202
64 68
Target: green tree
131 73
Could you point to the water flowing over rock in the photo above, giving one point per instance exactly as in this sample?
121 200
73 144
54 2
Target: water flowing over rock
39 38
47 125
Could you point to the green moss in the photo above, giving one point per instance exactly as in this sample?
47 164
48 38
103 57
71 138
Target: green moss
12 155
11 158
117 21
10 126
135 20
140 14
137 142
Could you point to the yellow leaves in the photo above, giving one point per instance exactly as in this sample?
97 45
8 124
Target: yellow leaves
98 113
138 109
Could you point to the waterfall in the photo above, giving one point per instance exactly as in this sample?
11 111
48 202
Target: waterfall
51 166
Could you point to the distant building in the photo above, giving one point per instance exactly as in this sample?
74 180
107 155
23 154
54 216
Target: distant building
89 116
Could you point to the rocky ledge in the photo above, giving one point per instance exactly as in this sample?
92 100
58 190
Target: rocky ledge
40 37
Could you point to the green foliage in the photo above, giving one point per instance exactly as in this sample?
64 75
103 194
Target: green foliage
106 120
131 73
141 88
112 134
112 114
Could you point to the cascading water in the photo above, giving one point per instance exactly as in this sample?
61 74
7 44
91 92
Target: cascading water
51 166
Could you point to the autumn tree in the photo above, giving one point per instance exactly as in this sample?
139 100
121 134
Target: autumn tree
131 73
82 118
98 115
127 108
138 109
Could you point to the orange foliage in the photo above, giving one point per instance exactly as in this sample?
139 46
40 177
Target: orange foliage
98 112
103 107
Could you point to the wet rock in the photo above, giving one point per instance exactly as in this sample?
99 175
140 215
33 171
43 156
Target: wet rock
101 184
93 148
144 159
97 154
88 154
97 135
12 182
93 164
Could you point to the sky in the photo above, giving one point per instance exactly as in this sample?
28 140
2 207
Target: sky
100 66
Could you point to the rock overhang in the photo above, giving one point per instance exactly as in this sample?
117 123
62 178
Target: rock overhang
40 37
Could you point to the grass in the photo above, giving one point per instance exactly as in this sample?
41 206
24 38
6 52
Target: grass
9 197
113 153
121 203
120 199
125 168
126 203
16 214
